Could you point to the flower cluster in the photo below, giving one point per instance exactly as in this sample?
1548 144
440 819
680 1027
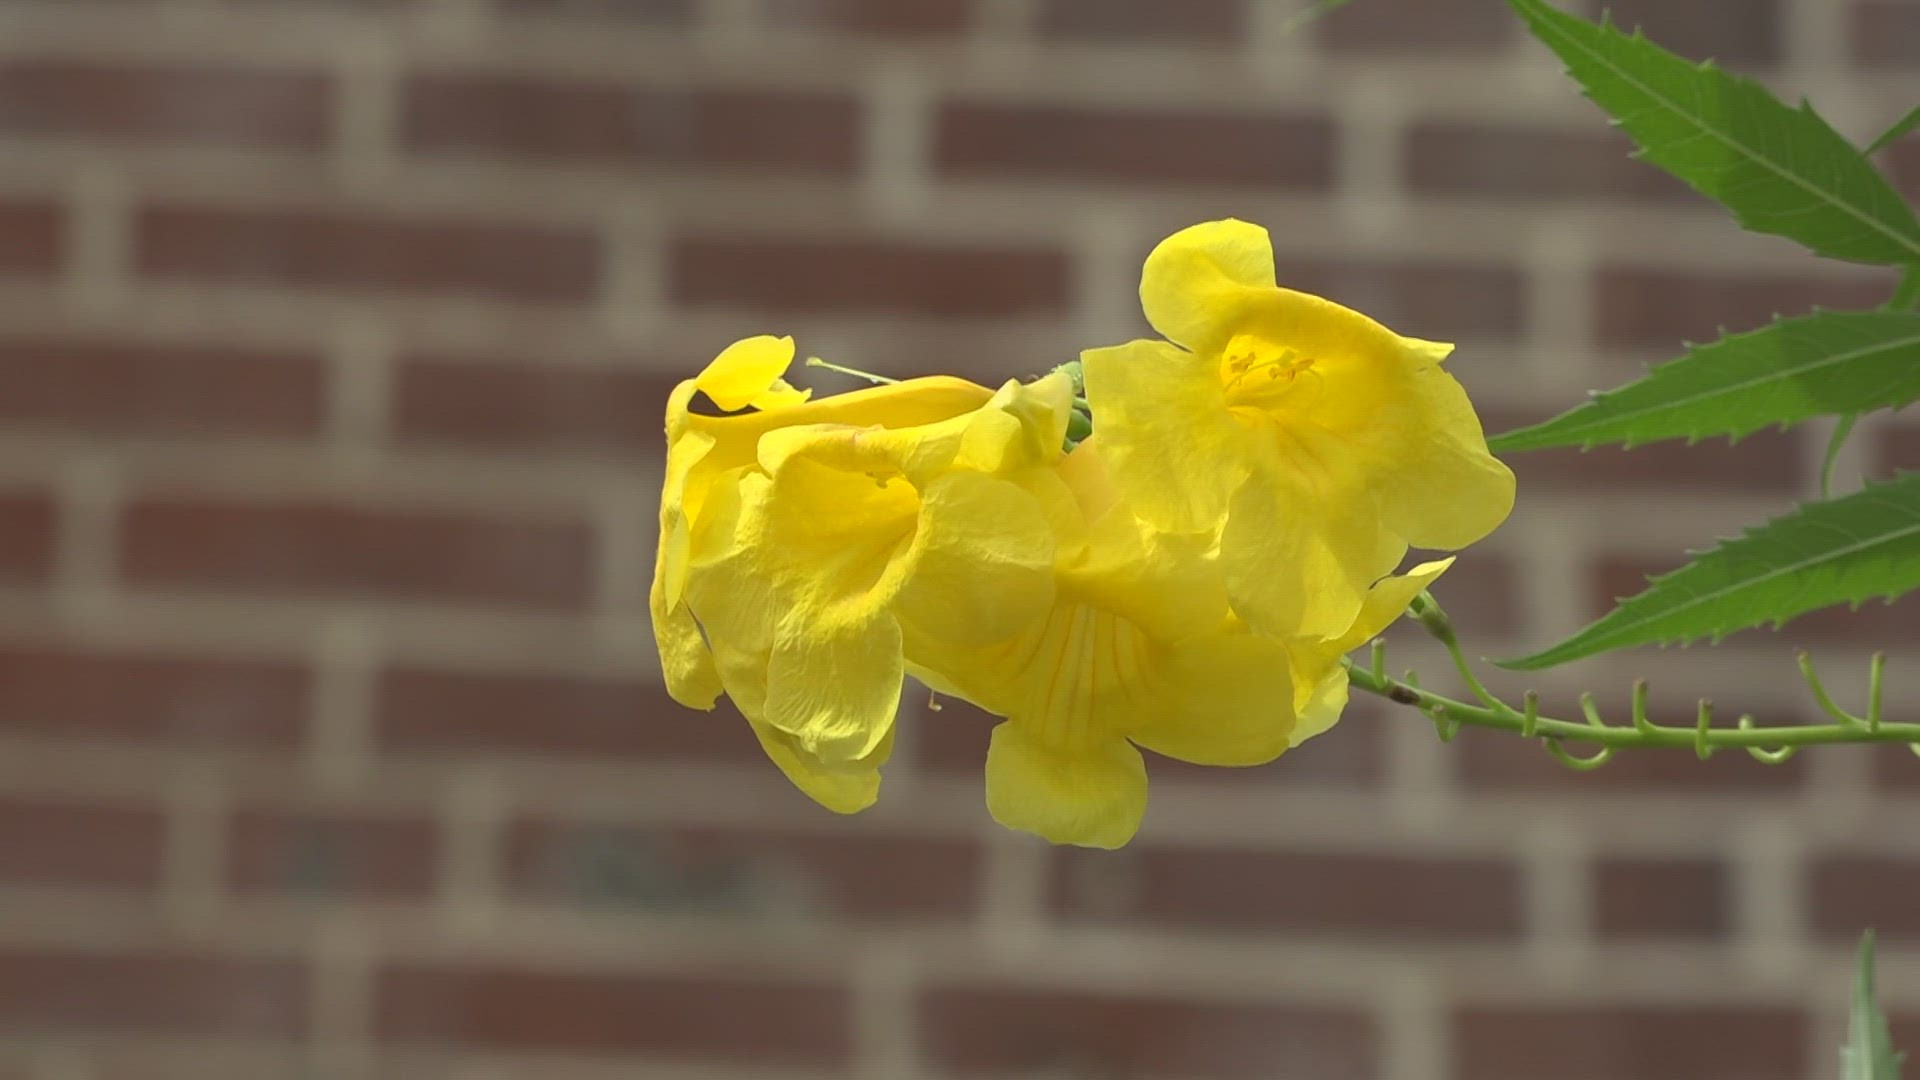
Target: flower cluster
1185 580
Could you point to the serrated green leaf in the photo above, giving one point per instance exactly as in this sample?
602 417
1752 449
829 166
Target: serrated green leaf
1796 369
1846 550
1869 1053
1780 170
1900 127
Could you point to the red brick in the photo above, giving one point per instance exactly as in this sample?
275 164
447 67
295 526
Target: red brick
1767 463
1188 22
1451 27
761 1019
500 406
1849 893
954 739
797 276
51 693
1319 892
126 102
1474 159
1498 758
632 122
654 12
1663 1042
1419 297
1733 30
446 712
1895 768
1019 1031
872 16
70 841
712 871
1901 161
1896 448
33 235
1662 896
1288 149
136 388
1886 31
1906 1030
1647 308
1482 593
331 853
330 549
170 992
364 253
27 523
1872 624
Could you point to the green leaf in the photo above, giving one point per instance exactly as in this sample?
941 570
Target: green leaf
1869 1053
1315 10
1796 369
1780 170
1900 127
1819 554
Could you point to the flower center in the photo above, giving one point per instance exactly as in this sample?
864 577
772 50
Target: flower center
1254 369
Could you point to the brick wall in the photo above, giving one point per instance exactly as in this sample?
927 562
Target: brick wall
333 341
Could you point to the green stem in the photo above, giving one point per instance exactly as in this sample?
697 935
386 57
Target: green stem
1771 745
1839 439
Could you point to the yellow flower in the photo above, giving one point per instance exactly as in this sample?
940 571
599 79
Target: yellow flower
1137 649
1319 679
1317 442
799 542
703 451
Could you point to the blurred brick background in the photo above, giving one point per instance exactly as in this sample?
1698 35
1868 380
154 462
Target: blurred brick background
333 341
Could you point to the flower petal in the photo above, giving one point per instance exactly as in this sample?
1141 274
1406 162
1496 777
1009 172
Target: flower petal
1322 705
1092 796
846 788
1319 681
1171 446
1386 602
835 688
745 370
1226 700
981 564
1301 546
1444 490
1196 281
686 665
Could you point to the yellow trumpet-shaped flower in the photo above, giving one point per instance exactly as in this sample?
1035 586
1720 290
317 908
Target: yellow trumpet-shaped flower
1137 649
1316 442
800 542
1319 679
705 452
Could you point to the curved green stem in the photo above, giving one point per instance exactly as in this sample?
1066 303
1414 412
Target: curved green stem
1772 745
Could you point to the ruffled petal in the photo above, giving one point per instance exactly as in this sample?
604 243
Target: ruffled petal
686 665
981 564
1386 602
1321 705
1173 450
1226 700
845 788
1197 281
1413 434
835 688
1025 425
1320 682
1443 489
749 369
1093 796
1301 546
